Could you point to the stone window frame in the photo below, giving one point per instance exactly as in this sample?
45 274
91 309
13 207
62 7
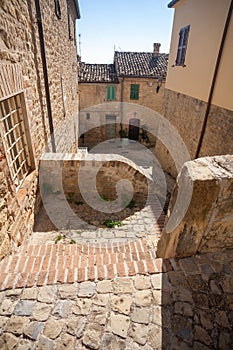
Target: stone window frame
182 45
14 129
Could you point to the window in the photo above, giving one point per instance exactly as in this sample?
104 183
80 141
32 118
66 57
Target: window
134 91
69 19
57 9
13 127
111 93
88 116
182 46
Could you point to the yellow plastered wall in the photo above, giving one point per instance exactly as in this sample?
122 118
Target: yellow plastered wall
223 93
207 20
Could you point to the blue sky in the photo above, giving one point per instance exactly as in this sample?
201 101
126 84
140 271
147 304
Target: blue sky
130 25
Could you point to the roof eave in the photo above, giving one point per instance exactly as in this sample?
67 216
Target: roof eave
172 3
98 82
77 9
141 76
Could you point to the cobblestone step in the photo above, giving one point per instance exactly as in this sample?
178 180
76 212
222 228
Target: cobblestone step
46 264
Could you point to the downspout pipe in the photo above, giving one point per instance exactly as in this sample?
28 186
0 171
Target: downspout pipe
122 100
214 79
45 72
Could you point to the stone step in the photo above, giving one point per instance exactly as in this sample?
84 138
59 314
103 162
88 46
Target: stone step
46 264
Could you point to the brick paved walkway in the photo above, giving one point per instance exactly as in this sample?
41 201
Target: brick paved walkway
38 265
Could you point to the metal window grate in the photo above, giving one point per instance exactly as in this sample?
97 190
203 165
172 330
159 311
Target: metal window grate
13 131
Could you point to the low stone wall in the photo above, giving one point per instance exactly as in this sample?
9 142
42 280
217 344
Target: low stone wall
105 182
110 165
207 225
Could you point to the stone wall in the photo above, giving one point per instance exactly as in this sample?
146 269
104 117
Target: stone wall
207 226
93 94
187 114
108 168
218 137
148 95
106 183
20 54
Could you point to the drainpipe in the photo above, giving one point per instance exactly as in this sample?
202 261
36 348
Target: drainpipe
45 72
122 100
214 79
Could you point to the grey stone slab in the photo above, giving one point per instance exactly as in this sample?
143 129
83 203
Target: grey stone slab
24 307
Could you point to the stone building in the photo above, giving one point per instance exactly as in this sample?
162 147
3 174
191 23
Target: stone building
38 100
198 92
134 77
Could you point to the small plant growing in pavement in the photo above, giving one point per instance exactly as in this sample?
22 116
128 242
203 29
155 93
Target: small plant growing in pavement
104 198
111 223
131 204
59 238
144 134
64 237
70 197
78 202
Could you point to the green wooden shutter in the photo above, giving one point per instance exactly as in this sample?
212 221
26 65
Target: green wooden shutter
108 92
111 93
134 91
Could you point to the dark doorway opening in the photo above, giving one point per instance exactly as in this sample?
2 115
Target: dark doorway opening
134 124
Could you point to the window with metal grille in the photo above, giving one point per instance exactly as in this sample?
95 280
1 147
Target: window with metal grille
134 91
14 133
182 46
111 93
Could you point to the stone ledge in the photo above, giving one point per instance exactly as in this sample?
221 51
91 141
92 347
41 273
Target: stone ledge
208 223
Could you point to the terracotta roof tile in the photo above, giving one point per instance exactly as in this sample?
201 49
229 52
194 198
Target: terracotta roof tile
97 73
141 64
135 64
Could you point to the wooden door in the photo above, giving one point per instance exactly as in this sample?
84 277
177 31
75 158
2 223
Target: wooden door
134 124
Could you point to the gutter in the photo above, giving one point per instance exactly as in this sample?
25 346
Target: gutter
122 101
219 57
77 9
172 3
98 82
45 73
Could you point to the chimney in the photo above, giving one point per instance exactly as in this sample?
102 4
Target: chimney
156 49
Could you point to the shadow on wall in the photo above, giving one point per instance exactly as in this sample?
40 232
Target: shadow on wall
97 135
194 304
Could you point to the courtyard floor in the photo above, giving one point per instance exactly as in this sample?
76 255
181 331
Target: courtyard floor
104 288
152 304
